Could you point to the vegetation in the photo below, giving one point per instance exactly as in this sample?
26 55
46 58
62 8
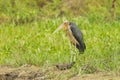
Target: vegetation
26 37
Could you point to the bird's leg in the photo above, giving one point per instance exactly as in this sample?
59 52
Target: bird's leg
75 56
71 53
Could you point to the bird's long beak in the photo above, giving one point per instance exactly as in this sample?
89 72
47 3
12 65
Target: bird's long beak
59 28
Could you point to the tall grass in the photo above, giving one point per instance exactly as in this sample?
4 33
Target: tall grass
26 37
35 44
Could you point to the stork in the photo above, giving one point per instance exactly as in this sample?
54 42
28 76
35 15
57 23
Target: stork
75 36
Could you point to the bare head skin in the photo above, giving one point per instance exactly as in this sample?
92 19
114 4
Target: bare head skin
65 25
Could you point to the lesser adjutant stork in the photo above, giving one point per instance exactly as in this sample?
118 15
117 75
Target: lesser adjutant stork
75 36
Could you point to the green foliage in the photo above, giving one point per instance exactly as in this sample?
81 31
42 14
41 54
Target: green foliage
26 37
26 11
35 44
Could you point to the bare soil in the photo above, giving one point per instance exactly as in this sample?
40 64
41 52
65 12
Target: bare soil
30 72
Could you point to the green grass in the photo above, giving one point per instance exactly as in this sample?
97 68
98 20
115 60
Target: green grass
35 44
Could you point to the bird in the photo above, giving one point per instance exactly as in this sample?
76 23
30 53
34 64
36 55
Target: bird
74 35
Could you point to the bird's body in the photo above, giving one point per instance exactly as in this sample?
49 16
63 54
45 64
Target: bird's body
79 37
71 37
74 34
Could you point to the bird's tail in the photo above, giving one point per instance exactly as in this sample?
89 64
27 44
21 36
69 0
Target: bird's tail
81 48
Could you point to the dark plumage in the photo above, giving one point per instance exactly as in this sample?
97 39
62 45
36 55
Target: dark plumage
78 36
75 36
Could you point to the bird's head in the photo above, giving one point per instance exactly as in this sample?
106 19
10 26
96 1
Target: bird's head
65 25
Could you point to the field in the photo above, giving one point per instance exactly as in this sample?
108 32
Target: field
35 44
27 39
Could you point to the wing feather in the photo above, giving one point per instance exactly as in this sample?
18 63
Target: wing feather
78 36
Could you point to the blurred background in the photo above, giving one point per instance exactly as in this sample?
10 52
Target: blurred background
26 11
